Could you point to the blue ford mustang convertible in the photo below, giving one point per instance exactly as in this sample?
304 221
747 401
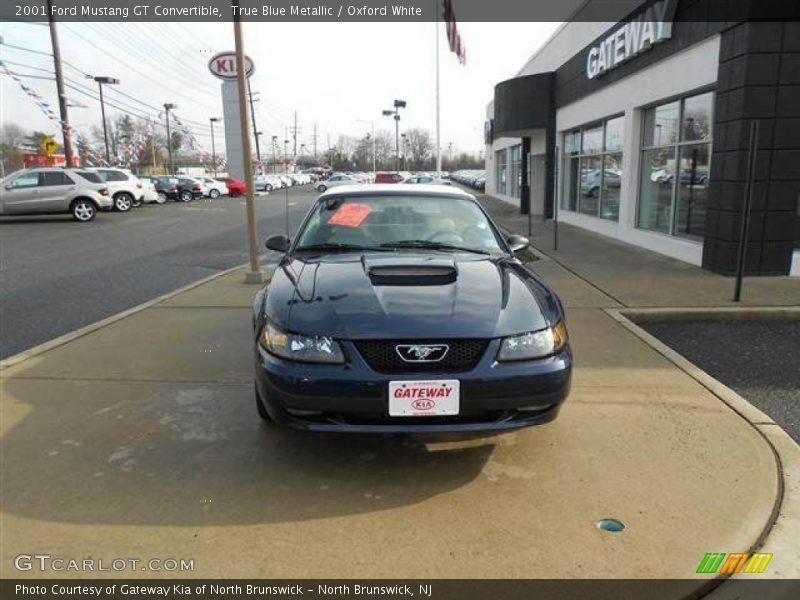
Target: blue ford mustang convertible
403 309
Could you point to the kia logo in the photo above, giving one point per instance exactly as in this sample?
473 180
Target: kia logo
423 404
415 353
223 65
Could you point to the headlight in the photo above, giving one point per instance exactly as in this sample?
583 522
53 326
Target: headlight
317 349
537 344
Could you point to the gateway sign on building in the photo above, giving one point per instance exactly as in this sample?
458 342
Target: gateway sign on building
654 25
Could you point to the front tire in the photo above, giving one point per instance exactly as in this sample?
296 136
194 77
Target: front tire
213 194
138 203
322 188
123 202
162 198
83 210
185 196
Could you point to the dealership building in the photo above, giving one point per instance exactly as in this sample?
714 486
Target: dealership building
640 130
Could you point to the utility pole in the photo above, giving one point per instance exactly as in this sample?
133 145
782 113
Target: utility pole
253 117
213 120
62 97
109 81
398 104
274 145
315 142
294 135
168 107
254 275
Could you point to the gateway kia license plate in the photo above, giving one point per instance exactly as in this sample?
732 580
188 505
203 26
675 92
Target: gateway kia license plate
433 398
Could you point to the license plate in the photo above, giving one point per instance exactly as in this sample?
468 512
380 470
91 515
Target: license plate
423 398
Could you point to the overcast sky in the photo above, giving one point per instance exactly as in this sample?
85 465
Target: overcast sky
332 74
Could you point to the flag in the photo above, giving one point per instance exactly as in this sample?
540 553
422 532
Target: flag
453 37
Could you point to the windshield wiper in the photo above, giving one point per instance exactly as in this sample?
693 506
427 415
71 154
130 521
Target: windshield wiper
337 247
428 245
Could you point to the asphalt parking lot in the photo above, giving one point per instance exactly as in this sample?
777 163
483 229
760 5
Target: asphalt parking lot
758 359
57 275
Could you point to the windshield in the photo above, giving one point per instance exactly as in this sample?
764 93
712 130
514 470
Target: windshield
393 220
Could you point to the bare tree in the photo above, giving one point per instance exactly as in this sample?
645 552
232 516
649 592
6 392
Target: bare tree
420 148
12 139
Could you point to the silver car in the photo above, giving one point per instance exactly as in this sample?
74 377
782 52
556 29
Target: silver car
53 191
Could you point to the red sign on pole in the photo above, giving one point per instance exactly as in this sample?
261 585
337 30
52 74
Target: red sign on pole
30 160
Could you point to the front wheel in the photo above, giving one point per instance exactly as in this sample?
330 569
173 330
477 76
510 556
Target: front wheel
138 202
268 188
162 198
322 188
83 210
213 194
123 202
185 196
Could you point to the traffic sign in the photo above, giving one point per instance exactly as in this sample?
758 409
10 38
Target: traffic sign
223 65
48 145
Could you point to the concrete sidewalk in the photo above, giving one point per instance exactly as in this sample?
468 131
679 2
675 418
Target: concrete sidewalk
140 439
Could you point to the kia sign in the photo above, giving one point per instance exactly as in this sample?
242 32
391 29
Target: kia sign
223 65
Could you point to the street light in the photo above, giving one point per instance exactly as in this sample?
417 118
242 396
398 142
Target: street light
285 156
213 120
398 104
168 107
274 146
108 81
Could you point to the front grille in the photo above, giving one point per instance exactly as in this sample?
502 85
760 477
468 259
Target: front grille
462 355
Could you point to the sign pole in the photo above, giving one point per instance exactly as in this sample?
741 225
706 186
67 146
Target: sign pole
254 275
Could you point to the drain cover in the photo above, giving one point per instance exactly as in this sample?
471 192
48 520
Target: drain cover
612 525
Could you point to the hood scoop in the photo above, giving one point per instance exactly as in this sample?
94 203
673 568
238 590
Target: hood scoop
410 271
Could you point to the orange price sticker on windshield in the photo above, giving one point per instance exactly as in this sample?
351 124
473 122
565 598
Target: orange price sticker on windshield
350 215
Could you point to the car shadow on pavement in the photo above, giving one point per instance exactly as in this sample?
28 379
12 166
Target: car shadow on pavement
185 454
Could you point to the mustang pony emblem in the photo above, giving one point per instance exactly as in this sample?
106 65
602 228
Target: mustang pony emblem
422 353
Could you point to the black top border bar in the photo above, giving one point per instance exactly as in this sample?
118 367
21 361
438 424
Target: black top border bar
387 10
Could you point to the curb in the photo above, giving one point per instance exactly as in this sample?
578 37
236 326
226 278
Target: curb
782 531
87 329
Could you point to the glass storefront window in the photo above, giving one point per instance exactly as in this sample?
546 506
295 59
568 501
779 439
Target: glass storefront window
655 190
515 174
661 124
675 168
612 183
591 180
569 195
500 174
690 217
592 170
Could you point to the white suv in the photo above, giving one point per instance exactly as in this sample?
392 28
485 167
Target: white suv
125 188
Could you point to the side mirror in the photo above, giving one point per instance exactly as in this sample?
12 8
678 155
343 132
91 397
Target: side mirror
279 243
517 243
10 186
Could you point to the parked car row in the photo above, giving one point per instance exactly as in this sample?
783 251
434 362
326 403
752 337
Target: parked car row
474 178
278 181
83 191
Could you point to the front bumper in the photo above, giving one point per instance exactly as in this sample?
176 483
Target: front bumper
494 397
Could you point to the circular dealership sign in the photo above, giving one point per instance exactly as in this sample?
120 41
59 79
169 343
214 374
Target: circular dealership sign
223 65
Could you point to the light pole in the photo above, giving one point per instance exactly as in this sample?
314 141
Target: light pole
398 104
285 156
405 149
274 145
168 107
108 81
374 145
213 120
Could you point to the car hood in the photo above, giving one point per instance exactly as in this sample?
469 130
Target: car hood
408 295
